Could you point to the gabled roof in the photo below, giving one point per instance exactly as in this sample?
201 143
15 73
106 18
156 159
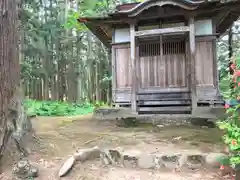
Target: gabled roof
102 27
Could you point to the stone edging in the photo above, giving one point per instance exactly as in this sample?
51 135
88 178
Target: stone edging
144 160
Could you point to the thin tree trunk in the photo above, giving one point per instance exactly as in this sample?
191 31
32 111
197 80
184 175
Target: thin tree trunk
109 88
79 75
98 93
230 49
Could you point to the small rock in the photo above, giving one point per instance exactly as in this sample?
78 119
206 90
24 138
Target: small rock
104 157
213 159
177 138
158 162
130 158
195 161
23 170
111 156
146 161
33 172
171 161
66 166
87 154
182 162
116 156
127 121
226 171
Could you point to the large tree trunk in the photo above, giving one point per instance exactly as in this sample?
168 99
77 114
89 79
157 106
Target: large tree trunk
12 115
9 63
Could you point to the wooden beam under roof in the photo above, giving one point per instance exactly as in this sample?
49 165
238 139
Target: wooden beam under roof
174 30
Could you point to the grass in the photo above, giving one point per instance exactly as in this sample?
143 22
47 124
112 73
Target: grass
54 108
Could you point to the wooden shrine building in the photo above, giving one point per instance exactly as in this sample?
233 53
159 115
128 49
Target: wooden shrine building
164 53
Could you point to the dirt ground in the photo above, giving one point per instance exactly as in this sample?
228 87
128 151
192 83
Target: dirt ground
60 137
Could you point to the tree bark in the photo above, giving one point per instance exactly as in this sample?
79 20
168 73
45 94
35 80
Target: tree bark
13 120
9 63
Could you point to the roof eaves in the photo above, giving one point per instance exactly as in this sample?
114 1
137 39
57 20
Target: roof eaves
187 2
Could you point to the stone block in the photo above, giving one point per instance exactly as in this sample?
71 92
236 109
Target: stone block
24 170
213 159
104 158
111 156
130 158
195 161
109 113
158 162
87 154
170 161
146 161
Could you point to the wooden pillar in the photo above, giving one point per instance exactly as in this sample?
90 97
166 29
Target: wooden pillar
109 90
114 78
192 43
133 66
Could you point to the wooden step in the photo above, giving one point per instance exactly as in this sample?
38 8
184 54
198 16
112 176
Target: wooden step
163 103
166 110
164 97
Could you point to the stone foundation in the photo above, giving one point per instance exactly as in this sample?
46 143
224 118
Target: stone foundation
123 115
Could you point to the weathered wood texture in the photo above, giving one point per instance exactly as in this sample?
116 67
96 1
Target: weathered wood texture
166 110
204 63
155 32
152 94
133 67
192 43
123 70
166 71
156 72
170 73
207 93
204 93
152 70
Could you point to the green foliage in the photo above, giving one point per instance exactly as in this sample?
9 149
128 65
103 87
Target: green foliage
223 160
224 86
230 86
53 108
93 8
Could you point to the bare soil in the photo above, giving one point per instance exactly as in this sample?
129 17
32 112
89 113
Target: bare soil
60 137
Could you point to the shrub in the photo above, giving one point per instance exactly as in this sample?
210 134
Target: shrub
55 108
230 87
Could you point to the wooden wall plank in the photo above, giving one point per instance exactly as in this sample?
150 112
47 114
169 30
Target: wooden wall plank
123 68
204 63
168 71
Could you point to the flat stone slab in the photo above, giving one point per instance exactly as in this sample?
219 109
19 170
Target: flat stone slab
146 161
